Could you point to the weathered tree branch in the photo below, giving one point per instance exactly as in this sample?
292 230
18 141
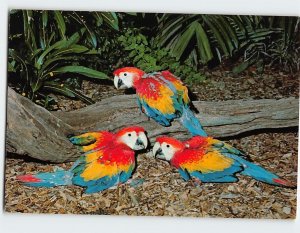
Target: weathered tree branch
34 131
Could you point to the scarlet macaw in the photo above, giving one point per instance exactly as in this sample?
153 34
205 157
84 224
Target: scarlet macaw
210 160
99 169
161 96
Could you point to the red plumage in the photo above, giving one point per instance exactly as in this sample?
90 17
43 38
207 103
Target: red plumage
129 69
28 178
187 156
120 154
149 88
174 142
196 142
137 129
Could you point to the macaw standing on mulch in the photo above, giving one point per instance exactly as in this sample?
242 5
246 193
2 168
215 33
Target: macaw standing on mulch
109 161
161 96
209 160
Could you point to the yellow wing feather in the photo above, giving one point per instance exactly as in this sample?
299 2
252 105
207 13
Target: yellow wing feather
212 161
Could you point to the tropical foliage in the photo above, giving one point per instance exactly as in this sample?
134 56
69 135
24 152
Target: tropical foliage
52 51
207 37
150 57
52 45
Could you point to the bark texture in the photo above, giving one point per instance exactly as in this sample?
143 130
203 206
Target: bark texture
41 134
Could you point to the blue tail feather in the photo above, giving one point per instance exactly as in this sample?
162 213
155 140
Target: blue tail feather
190 122
259 173
50 179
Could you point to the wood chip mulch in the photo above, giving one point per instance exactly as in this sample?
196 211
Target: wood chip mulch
163 192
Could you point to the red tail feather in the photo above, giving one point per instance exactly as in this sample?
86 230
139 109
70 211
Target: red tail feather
28 178
284 182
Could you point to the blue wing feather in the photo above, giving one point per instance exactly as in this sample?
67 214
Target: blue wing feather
219 176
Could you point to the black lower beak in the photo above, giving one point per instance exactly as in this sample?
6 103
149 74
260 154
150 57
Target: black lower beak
139 142
158 152
120 83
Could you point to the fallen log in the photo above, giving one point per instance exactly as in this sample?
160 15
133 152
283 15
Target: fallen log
34 131
42 134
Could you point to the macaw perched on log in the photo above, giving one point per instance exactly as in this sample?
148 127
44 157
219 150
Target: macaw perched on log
161 96
98 169
209 160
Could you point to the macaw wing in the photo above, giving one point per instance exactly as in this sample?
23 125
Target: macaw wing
92 140
171 80
104 168
83 161
209 166
158 100
226 149
163 119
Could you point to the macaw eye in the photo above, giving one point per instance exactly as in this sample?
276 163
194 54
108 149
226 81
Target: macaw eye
125 74
168 146
129 135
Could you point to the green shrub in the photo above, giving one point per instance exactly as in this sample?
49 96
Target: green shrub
148 56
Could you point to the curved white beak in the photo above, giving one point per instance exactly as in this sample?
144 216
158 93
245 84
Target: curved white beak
157 151
116 81
141 142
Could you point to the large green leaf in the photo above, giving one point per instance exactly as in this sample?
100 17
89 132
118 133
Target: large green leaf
59 88
111 19
81 70
172 29
223 22
216 34
45 18
54 60
92 38
28 32
222 28
60 23
69 50
203 43
184 40
63 46
59 44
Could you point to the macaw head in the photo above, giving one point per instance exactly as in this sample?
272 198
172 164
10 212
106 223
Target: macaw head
126 77
166 147
133 136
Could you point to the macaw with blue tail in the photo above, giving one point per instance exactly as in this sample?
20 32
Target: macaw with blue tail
99 168
206 159
161 96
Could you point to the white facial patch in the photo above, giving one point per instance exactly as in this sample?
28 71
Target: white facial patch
168 150
135 141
